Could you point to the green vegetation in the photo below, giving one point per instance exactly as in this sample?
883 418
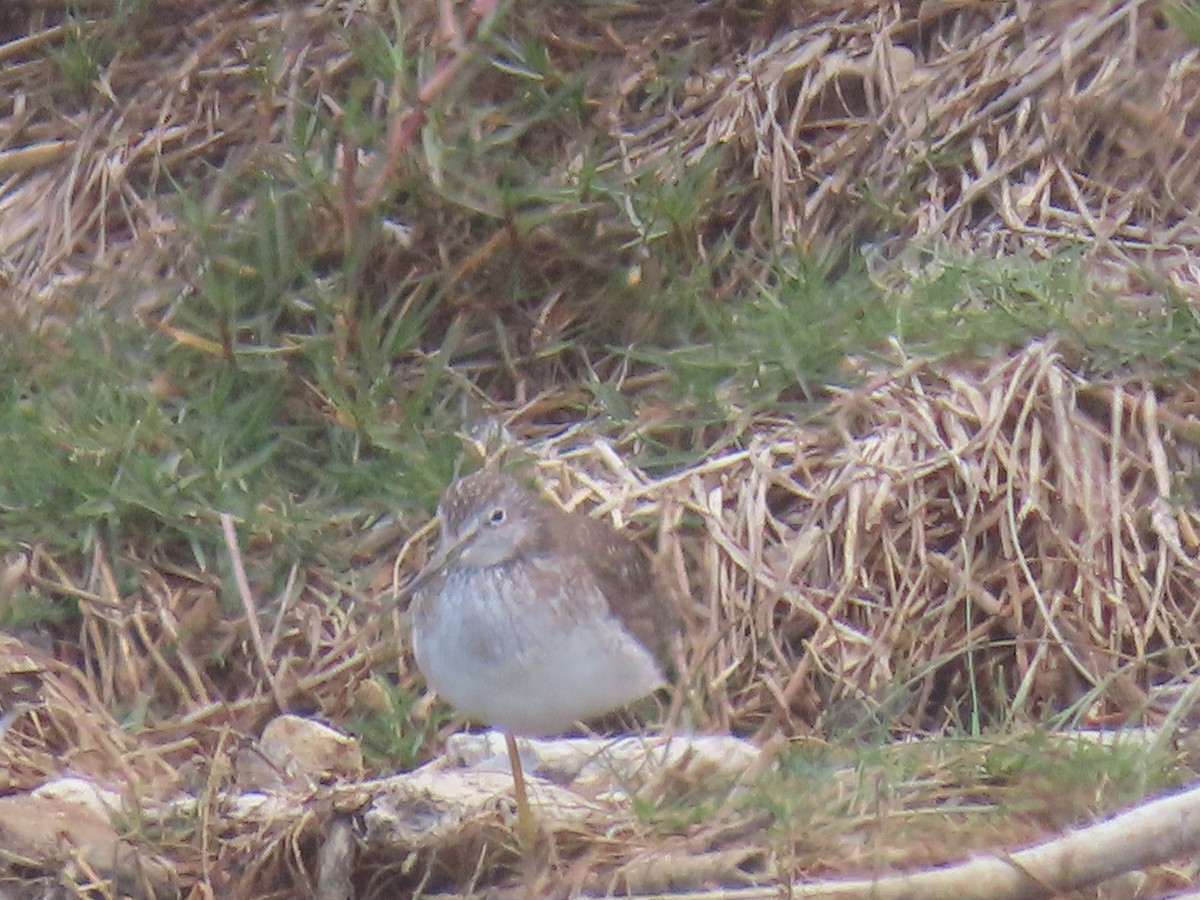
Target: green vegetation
272 397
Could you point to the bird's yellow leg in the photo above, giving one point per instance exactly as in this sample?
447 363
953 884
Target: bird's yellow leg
526 826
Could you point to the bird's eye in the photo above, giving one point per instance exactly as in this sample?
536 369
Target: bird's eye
497 515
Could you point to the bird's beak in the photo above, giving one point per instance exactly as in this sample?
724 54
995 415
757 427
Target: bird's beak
440 560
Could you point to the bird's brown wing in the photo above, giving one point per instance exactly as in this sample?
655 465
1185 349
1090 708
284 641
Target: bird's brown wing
626 579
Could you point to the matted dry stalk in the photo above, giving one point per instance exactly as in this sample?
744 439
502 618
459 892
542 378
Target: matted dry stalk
1039 128
1070 126
958 541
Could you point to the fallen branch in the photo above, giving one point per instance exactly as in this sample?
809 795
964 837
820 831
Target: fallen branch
1149 834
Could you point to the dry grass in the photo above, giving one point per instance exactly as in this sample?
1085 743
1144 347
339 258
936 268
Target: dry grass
959 546
980 543
970 124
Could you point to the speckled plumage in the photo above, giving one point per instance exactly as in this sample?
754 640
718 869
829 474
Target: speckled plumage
538 618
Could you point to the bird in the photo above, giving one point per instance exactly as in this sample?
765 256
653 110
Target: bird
529 618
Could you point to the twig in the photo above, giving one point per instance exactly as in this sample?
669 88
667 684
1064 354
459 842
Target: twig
243 586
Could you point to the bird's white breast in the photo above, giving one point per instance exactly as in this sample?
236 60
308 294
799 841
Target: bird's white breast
529 664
